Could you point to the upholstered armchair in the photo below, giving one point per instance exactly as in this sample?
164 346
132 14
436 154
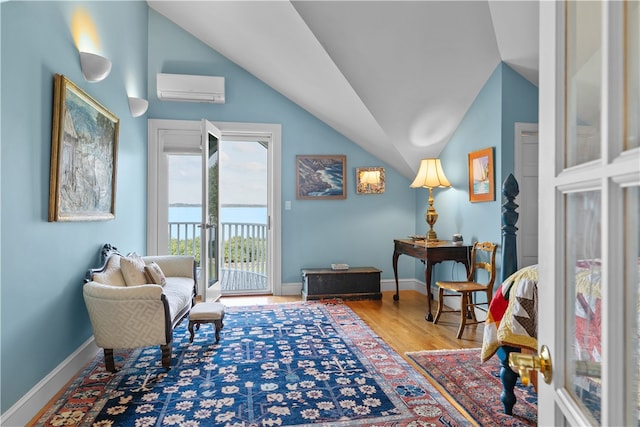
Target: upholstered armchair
132 307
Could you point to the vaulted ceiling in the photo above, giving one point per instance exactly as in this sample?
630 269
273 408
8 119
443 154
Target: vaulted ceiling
395 77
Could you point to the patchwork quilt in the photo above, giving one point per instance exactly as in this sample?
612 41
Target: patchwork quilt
513 314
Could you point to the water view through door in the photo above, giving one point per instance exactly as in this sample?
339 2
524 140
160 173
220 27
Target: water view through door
237 240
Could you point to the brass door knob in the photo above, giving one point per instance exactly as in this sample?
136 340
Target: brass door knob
523 363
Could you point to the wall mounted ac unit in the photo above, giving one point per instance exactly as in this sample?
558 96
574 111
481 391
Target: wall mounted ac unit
186 88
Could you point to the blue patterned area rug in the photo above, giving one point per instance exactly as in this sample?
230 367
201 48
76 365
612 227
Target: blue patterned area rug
293 364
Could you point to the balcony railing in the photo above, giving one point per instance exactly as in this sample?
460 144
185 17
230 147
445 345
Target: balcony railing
244 252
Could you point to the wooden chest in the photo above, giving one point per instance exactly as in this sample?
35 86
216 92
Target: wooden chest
354 283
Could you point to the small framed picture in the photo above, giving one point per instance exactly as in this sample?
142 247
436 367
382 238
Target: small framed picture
481 184
321 177
370 180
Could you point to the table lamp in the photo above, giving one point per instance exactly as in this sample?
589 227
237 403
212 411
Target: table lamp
430 175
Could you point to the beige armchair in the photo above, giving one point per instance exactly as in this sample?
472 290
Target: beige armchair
129 310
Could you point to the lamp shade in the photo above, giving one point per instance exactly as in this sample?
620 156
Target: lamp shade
137 106
94 67
430 175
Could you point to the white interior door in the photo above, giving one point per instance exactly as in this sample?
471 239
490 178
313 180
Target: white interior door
526 173
588 215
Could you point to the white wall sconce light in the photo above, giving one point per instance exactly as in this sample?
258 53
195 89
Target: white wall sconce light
138 106
94 67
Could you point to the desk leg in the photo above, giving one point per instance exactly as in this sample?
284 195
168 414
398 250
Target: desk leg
427 281
396 297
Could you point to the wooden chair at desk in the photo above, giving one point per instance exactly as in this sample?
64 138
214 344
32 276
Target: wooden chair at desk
464 290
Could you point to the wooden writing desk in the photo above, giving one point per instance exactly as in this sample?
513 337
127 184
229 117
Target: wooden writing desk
430 253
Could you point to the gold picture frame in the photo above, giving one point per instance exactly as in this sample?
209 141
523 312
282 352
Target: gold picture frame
84 147
481 181
370 180
321 177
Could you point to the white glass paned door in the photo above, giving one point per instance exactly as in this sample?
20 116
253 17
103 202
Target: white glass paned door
175 171
589 181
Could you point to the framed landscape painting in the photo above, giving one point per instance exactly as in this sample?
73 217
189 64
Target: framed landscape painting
321 177
481 184
84 146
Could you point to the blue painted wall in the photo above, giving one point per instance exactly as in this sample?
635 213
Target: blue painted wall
43 264
43 316
506 98
314 233
519 104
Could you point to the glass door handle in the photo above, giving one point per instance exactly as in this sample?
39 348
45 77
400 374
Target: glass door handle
523 363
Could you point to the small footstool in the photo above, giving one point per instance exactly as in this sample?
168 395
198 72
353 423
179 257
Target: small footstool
206 312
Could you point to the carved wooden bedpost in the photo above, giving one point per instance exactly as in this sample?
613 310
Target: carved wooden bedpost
509 266
509 218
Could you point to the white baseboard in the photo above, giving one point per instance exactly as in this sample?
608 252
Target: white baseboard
291 289
403 285
31 403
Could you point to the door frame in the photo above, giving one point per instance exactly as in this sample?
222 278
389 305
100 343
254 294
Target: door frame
269 131
528 203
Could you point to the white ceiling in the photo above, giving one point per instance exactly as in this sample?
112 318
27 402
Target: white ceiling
395 77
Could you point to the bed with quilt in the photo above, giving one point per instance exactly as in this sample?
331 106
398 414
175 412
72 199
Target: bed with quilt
512 324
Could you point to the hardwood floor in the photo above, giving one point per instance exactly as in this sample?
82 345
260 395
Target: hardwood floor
401 324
